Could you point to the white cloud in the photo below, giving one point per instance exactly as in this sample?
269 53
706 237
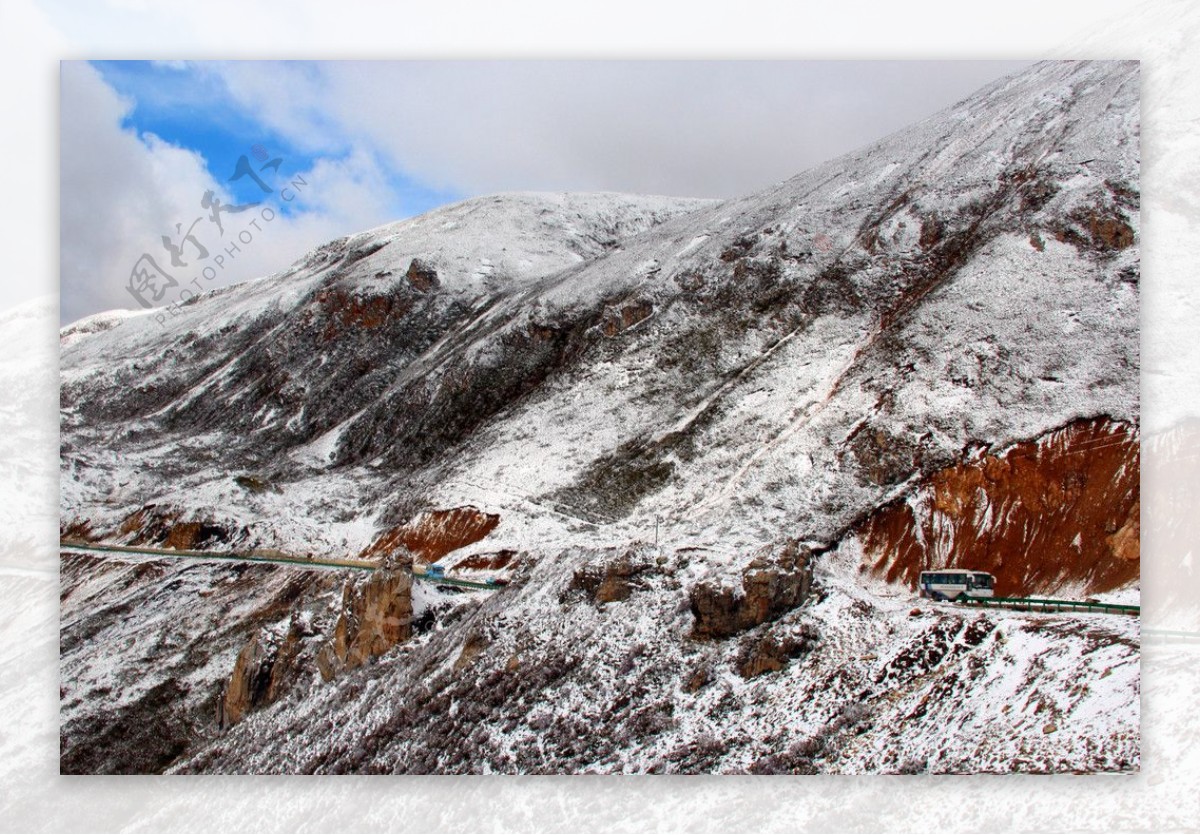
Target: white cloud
290 97
119 193
685 128
681 128
340 196
122 192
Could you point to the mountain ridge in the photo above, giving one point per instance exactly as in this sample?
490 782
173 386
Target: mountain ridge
657 414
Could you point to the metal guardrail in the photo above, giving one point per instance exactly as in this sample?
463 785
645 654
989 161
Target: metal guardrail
451 581
1178 636
1040 604
275 557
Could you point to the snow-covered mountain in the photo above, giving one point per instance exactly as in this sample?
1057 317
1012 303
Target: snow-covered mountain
710 444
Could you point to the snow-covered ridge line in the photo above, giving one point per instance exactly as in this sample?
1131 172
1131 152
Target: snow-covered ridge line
709 444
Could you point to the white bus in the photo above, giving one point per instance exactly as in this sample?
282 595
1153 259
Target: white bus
955 583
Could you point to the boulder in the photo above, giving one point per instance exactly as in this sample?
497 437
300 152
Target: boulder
609 582
422 276
772 585
769 652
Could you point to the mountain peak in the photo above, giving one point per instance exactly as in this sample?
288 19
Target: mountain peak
921 354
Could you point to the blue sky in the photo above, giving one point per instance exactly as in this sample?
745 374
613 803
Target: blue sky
188 106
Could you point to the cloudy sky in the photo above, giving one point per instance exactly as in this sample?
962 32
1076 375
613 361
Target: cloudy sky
143 143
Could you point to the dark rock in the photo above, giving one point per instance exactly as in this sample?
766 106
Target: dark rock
143 738
422 276
609 582
473 647
629 315
771 586
769 652
885 458
699 677
739 248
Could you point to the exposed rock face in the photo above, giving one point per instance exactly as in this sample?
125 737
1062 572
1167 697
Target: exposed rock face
77 530
248 684
263 670
435 533
473 647
422 276
488 562
628 316
885 459
770 652
339 310
162 526
376 615
609 581
188 535
1062 510
1103 228
772 585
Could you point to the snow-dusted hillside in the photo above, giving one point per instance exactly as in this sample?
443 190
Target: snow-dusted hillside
872 362
261 376
549 677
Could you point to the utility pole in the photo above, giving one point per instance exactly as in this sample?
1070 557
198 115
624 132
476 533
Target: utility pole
656 521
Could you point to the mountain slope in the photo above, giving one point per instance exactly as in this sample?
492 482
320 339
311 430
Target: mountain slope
922 353
885 294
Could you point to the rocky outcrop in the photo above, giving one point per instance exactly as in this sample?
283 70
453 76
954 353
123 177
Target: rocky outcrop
629 315
773 584
884 458
473 647
422 276
431 535
376 615
341 310
495 561
1102 228
1058 511
162 526
76 530
264 669
770 652
608 581
189 535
